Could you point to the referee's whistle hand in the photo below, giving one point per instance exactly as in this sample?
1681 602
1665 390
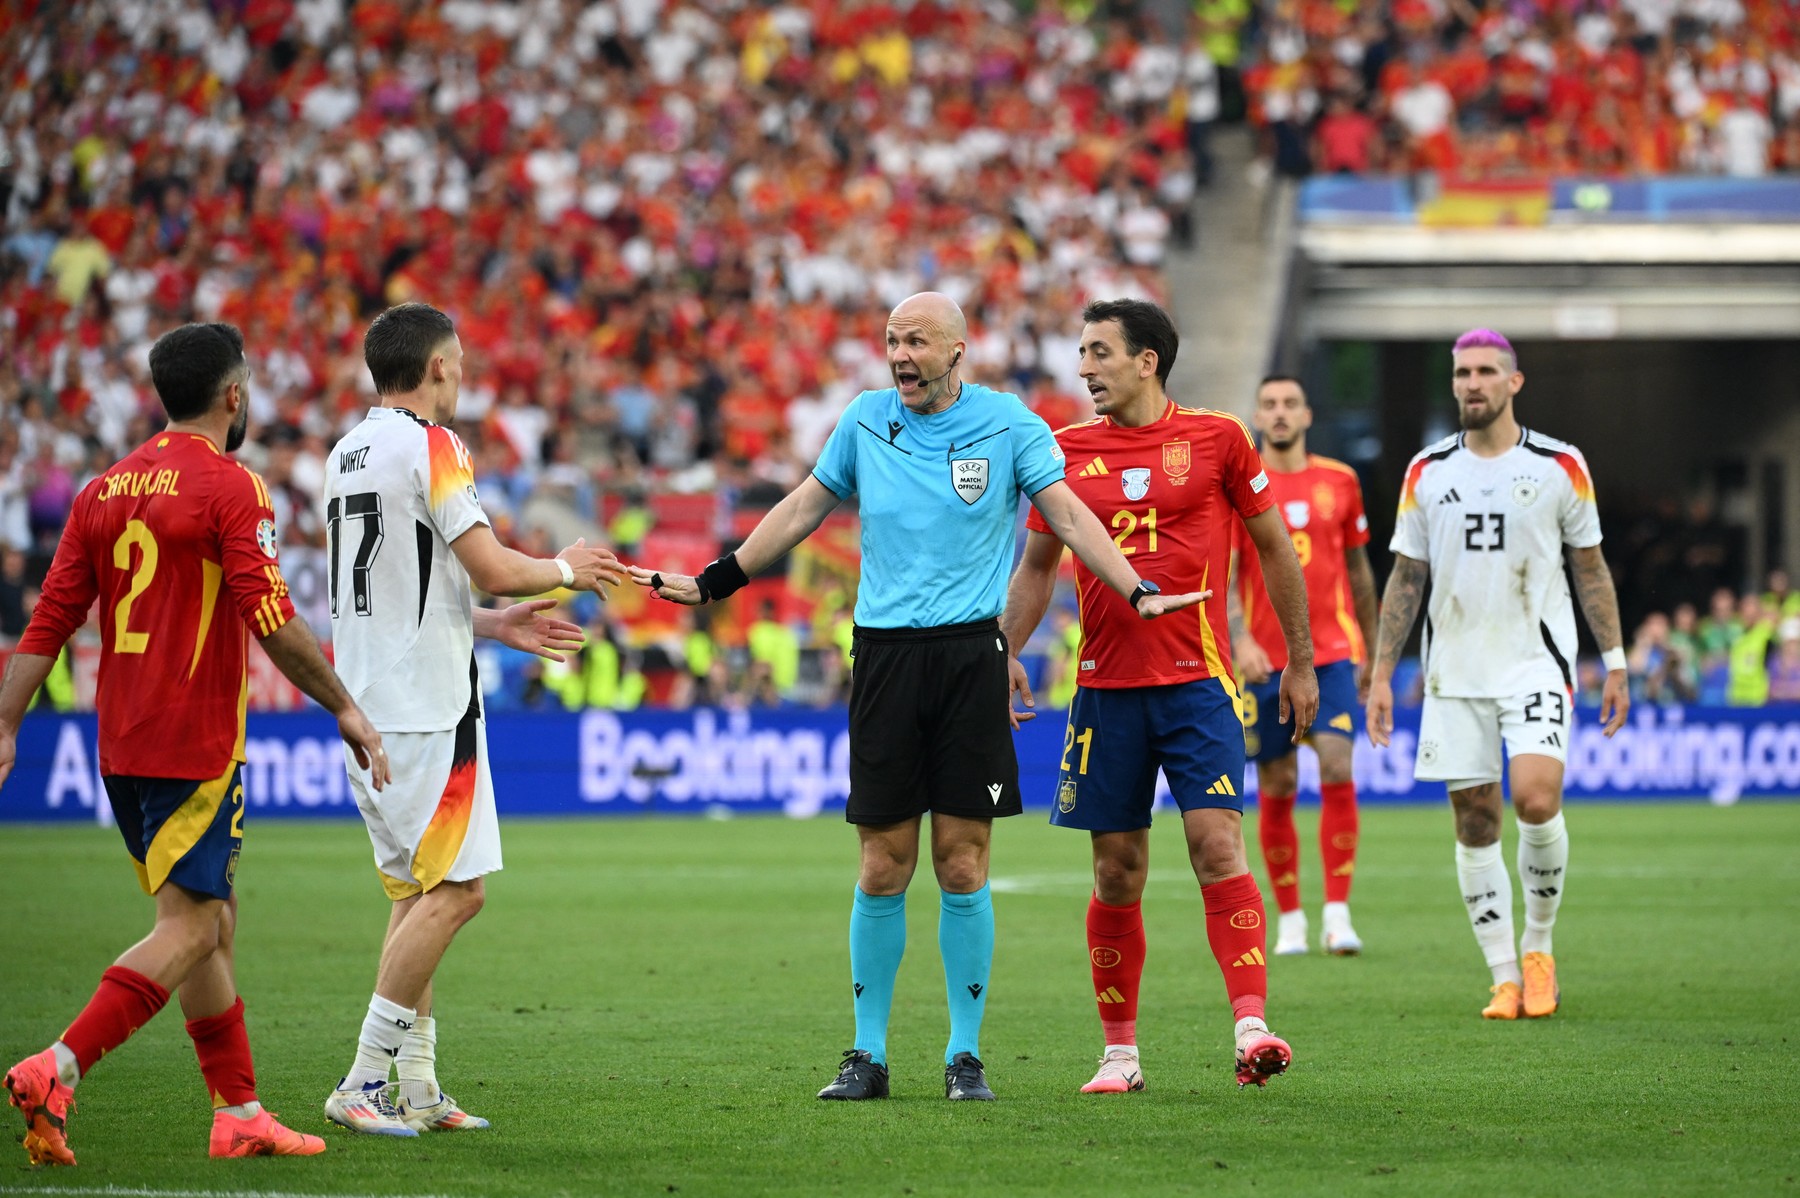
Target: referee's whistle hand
1018 683
1152 606
676 588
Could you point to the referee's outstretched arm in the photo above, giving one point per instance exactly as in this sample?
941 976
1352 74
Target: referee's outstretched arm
788 523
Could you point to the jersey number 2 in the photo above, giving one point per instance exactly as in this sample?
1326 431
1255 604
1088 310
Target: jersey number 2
364 506
136 533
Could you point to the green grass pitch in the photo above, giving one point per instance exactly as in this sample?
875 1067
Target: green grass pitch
647 1007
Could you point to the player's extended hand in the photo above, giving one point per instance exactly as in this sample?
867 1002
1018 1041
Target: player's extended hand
522 626
676 588
592 567
1378 712
1018 683
1299 699
1251 661
1615 702
1153 606
365 744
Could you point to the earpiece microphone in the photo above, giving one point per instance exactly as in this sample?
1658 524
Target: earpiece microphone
947 370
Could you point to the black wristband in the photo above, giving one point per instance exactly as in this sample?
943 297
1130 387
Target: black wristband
721 579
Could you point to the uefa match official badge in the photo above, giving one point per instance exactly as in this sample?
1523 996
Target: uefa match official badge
265 537
970 478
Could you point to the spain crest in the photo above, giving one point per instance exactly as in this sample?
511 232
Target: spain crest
1177 459
1324 501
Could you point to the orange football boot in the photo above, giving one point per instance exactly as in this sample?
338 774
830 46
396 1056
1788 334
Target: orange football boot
1505 1003
259 1135
1542 994
33 1087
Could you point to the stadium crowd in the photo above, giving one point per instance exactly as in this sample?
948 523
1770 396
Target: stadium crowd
1494 89
670 232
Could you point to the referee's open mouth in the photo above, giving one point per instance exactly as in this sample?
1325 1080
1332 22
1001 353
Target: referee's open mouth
907 379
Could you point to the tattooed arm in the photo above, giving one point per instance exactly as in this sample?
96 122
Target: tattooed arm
1399 609
1600 604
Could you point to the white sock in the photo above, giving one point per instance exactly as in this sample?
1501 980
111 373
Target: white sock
1129 1049
417 1063
1246 1025
1543 867
242 1111
1291 923
1487 893
68 1070
383 1031
1337 917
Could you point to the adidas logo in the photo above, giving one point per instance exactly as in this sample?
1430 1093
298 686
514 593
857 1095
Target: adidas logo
1093 469
1288 879
1546 892
1253 957
1110 995
1450 496
1488 916
1341 722
1344 870
1222 787
1555 738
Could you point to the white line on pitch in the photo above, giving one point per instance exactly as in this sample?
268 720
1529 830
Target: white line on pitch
146 1192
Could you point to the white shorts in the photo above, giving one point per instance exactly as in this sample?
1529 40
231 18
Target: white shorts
1459 739
435 820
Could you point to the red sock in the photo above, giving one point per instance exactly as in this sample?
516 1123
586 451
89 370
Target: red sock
1337 838
1115 937
125 1001
1280 847
1234 929
223 1046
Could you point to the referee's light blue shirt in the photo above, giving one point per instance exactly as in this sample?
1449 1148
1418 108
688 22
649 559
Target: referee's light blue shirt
940 501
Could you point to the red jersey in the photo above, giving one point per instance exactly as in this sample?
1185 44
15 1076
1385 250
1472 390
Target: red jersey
160 539
1323 509
1170 493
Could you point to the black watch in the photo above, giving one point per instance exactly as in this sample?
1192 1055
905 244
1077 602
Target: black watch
1144 587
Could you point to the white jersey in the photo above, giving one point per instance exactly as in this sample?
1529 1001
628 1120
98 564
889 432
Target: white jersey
1499 623
398 490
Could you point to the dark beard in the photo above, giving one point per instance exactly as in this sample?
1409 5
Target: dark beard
234 436
1474 424
1284 446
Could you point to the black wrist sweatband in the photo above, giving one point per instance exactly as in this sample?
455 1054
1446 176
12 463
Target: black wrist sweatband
721 579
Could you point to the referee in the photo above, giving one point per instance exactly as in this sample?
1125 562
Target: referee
939 465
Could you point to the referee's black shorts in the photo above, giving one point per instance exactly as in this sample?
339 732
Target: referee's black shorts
928 724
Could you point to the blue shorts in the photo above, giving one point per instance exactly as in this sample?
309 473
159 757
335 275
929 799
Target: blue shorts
1266 738
182 831
1117 739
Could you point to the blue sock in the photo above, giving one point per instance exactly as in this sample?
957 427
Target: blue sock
877 942
966 940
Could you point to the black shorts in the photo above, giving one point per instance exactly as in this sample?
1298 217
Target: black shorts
928 724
